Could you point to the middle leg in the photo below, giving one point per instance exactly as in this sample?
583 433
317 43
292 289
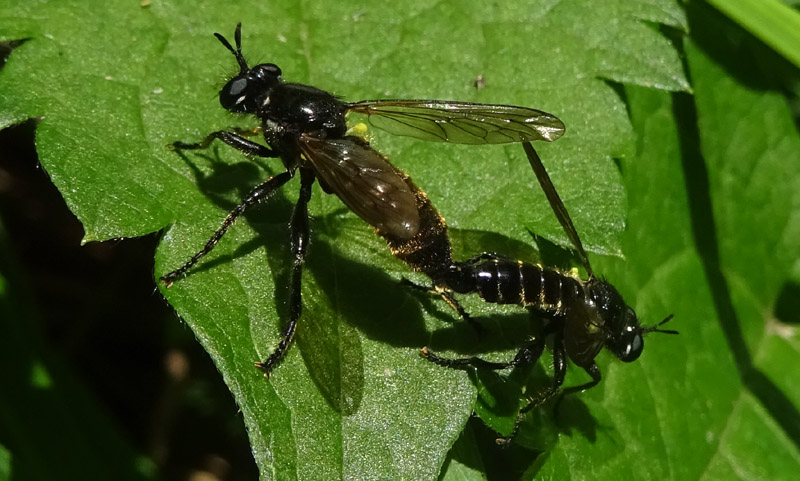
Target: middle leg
559 373
260 193
299 245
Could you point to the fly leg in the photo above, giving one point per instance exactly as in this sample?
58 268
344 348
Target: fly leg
528 354
260 193
234 139
299 245
448 297
559 373
593 371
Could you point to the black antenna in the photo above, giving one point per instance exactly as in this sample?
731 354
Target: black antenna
237 52
656 327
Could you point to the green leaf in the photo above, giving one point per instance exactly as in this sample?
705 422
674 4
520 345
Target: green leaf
5 463
464 460
776 24
712 235
116 82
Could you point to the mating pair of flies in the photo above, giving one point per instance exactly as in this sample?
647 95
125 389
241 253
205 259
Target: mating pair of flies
305 127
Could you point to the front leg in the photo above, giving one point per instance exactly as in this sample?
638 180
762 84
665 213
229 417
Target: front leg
234 139
594 372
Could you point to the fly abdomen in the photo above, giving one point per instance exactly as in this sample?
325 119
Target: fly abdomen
504 281
551 294
499 281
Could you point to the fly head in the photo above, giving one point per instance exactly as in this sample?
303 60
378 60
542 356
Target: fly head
623 329
248 91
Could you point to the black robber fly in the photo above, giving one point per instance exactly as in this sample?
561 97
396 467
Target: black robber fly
305 127
583 316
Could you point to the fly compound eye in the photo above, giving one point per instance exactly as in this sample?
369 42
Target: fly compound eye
233 95
632 349
237 86
266 70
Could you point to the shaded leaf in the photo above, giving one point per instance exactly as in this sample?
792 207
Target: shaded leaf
353 399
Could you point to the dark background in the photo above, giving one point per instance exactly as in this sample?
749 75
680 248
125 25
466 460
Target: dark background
97 308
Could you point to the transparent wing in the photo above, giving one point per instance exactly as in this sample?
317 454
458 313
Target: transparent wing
557 204
460 122
366 182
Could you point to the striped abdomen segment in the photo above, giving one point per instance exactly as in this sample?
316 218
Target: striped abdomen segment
504 281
